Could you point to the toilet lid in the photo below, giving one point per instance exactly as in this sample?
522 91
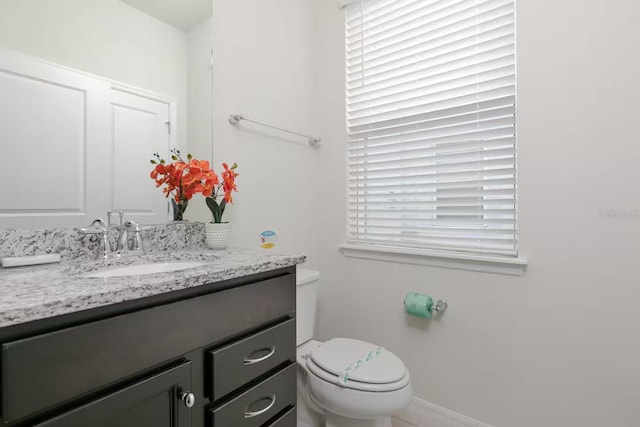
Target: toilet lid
337 354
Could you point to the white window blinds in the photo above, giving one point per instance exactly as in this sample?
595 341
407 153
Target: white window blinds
431 124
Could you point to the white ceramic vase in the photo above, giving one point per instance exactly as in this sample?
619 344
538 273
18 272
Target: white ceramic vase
217 235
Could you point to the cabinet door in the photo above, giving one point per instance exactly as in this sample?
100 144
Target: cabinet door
140 127
54 124
152 402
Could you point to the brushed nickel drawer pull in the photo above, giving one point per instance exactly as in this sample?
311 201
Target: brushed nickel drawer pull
248 361
249 414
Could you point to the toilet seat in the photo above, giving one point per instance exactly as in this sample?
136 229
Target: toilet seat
382 371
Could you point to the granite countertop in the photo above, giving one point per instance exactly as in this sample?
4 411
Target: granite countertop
38 292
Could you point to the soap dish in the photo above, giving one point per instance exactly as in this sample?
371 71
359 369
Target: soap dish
20 261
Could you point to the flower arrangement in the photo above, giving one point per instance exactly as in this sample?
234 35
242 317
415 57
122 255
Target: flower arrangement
228 185
182 179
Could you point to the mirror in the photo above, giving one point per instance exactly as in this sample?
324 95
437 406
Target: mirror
89 90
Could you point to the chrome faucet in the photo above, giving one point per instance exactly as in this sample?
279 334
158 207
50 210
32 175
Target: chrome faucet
130 239
104 245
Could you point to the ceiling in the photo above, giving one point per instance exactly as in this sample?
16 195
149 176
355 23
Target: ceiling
182 14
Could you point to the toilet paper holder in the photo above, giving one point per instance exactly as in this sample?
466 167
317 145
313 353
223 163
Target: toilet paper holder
440 306
430 309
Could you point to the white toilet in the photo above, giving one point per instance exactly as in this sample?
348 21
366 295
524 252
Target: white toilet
343 382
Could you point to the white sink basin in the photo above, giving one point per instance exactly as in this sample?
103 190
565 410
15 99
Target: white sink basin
140 269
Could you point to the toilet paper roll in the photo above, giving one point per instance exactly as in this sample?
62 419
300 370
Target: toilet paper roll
418 305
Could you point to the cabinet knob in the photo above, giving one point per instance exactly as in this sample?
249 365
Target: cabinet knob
188 398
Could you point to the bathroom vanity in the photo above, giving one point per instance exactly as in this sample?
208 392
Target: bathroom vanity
212 346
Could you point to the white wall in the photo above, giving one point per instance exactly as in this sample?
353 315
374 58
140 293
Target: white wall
106 38
559 346
263 68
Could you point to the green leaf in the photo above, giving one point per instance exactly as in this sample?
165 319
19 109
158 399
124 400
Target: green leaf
210 203
176 213
162 161
223 204
153 162
174 157
189 156
179 209
215 209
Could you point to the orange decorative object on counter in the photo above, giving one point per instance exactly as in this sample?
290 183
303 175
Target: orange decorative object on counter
183 179
228 185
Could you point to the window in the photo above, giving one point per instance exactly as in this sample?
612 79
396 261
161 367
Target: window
431 119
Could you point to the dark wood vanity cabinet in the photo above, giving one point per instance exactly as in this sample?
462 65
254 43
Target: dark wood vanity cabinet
218 355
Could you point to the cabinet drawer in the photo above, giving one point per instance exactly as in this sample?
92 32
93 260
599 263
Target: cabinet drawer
52 368
286 420
260 403
238 363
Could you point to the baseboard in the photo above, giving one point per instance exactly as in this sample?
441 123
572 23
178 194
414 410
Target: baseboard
421 413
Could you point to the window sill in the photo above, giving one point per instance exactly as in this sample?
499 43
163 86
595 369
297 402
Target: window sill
459 261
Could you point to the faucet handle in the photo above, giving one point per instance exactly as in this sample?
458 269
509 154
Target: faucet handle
130 239
104 245
98 221
96 227
121 215
133 225
135 241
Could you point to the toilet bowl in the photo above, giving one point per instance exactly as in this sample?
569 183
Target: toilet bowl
344 382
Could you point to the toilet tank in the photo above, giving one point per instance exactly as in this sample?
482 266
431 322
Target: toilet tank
306 300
